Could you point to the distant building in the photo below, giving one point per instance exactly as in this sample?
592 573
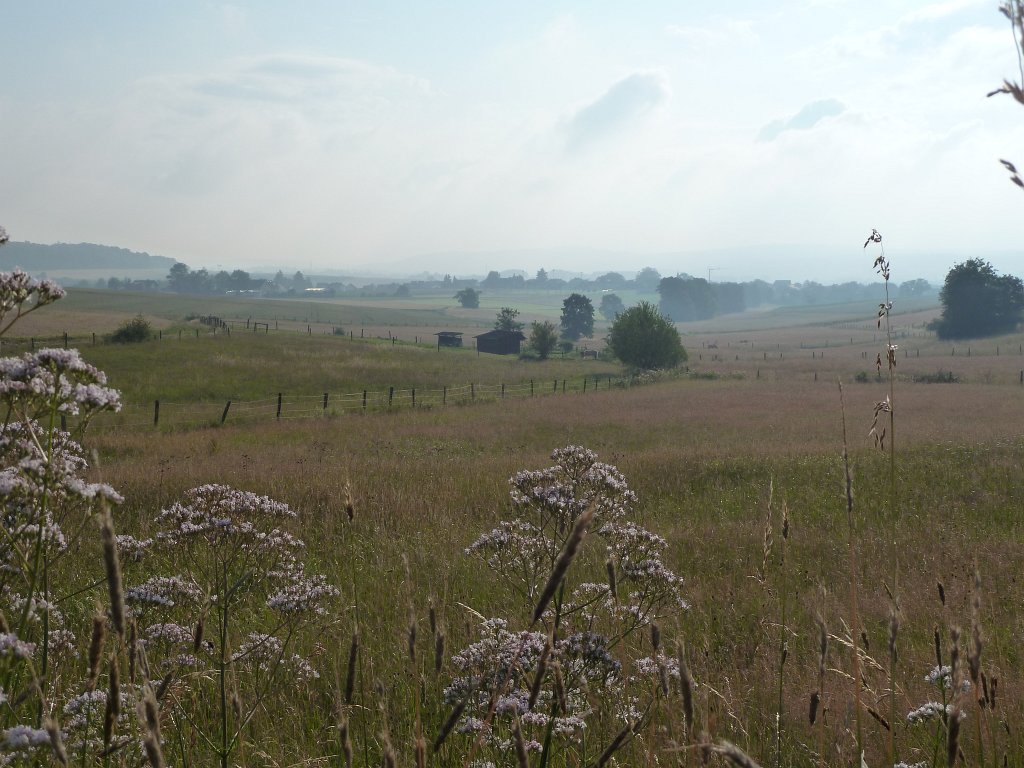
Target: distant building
500 342
449 339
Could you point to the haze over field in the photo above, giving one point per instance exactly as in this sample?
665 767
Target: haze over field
764 140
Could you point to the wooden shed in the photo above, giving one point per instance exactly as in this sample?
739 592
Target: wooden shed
449 339
500 342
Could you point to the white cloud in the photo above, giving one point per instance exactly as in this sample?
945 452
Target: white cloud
623 103
809 116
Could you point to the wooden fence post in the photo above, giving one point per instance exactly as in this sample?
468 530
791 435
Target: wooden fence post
444 396
531 387
65 339
224 415
503 390
156 413
279 396
414 397
325 402
364 399
391 395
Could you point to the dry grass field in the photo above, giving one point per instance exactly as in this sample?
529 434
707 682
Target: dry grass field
736 462
704 457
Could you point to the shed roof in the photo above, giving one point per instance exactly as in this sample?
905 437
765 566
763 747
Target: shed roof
497 334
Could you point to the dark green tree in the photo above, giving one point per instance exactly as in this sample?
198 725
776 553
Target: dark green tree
647 279
577 317
543 338
611 305
978 302
469 298
506 320
177 278
644 339
686 298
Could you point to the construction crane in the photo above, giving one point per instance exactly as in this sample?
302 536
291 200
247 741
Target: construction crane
713 269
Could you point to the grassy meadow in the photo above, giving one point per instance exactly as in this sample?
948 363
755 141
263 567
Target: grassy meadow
751 434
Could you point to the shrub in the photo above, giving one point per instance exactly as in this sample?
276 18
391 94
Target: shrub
644 339
543 338
939 377
135 330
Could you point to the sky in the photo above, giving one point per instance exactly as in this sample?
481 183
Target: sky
754 139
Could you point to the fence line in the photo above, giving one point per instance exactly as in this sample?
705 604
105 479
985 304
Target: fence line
161 413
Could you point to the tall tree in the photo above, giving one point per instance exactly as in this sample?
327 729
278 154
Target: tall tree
469 298
647 279
543 338
644 339
686 298
506 320
577 317
611 305
978 302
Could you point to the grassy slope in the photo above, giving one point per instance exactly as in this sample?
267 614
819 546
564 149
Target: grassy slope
702 454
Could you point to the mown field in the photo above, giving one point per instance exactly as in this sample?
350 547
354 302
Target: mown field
716 456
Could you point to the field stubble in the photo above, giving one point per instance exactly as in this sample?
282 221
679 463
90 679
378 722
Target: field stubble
703 456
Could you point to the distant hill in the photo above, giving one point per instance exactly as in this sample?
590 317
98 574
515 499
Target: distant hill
35 257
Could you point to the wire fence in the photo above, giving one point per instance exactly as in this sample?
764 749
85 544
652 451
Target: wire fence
162 414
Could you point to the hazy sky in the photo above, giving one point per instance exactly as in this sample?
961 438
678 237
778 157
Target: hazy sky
333 134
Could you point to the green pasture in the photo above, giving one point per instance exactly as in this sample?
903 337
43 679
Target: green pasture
718 457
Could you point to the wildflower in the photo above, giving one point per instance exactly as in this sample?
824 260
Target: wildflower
163 591
928 711
25 736
12 646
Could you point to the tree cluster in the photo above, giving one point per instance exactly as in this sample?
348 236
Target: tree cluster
976 302
181 279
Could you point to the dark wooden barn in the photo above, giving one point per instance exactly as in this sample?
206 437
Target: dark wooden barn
500 342
449 339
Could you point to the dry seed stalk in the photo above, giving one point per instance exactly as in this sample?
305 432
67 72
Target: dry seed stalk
439 652
686 685
446 729
350 676
149 717
99 630
538 676
522 758
734 755
56 741
855 613
579 531
346 740
953 736
612 748
390 760
350 510
609 567
112 709
112 565
133 650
